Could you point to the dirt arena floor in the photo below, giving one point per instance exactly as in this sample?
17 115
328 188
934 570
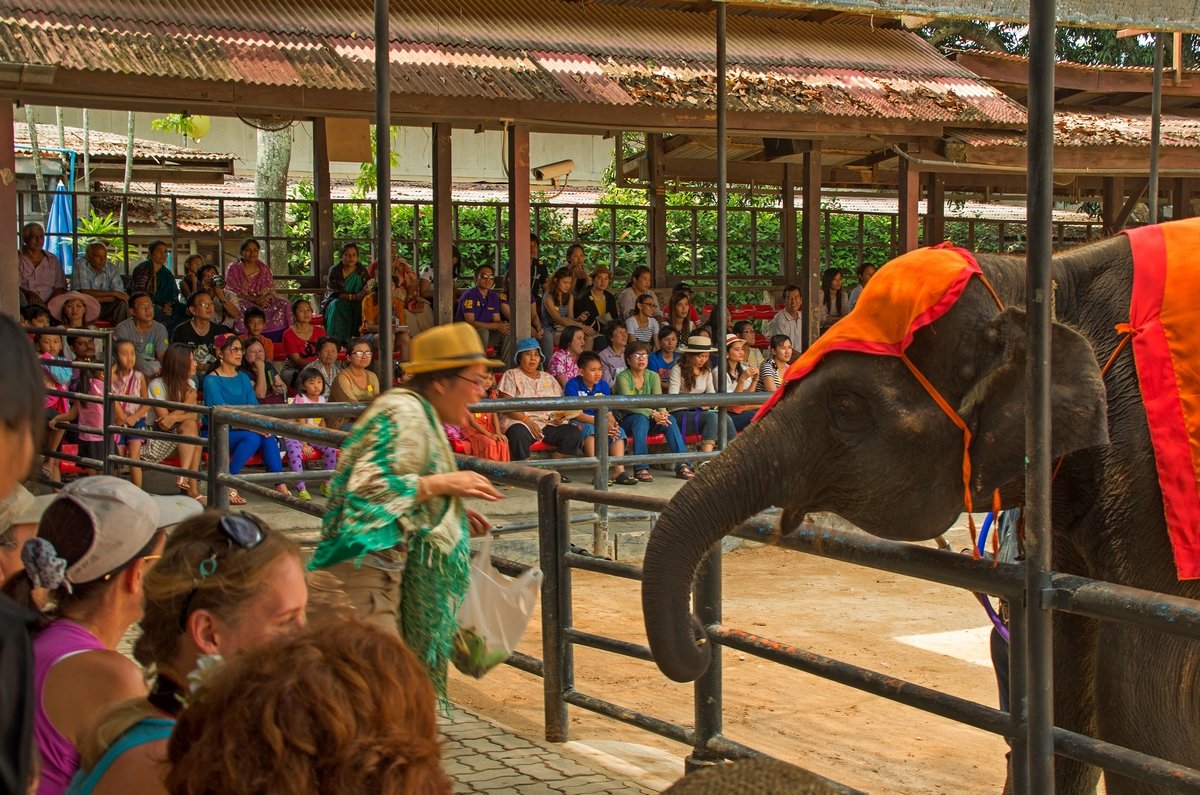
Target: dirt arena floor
929 634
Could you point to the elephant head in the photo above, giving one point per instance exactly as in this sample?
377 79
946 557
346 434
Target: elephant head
860 437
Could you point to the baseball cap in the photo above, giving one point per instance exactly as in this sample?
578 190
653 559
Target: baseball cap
21 507
124 519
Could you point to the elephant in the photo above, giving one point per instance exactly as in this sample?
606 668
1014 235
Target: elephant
856 413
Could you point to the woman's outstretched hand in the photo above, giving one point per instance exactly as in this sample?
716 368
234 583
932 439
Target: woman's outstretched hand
459 484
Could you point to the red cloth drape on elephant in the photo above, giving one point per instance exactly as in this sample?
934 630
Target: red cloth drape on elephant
1165 317
908 293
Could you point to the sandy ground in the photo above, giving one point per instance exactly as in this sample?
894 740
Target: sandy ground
929 634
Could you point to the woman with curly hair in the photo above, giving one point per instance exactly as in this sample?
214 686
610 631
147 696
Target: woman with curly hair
344 710
226 583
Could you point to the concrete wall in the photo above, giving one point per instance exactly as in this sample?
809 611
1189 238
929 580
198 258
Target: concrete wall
477 157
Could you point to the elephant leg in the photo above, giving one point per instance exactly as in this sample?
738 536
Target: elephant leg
1146 685
1075 652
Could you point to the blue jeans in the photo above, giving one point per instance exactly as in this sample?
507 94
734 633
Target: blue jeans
244 444
638 426
702 422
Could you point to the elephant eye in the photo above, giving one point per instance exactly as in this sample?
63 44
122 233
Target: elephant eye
850 412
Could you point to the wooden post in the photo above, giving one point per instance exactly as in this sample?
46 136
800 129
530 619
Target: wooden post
323 219
935 209
10 280
788 223
1112 198
810 256
1181 199
443 222
518 229
656 192
909 180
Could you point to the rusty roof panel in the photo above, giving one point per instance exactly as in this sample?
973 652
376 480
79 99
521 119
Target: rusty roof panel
569 52
111 145
1080 129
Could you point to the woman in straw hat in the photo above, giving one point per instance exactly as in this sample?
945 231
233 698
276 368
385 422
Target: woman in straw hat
395 531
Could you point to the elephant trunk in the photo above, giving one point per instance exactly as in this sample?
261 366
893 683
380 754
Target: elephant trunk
727 491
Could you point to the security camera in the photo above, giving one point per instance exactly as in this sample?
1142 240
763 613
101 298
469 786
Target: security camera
553 171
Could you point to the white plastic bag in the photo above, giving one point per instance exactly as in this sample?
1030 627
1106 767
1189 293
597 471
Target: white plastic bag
493 615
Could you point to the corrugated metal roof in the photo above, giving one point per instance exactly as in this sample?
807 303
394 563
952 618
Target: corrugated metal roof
103 144
1082 129
567 52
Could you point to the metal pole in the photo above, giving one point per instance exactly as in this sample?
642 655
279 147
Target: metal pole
553 521
1156 125
1039 670
600 437
218 462
718 315
106 449
707 597
383 173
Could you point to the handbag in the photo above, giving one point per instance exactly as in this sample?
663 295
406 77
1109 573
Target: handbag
494 614
155 451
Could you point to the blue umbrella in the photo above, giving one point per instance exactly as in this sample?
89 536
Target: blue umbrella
60 224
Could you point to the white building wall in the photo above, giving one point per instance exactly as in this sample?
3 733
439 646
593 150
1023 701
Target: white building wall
477 156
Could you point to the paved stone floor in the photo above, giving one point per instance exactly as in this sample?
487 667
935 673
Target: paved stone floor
481 756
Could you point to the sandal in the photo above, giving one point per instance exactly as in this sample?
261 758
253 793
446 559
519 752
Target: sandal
624 479
684 472
644 476
235 498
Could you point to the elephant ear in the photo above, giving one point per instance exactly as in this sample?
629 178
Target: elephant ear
994 407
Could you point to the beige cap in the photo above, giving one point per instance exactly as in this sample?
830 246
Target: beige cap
21 507
124 517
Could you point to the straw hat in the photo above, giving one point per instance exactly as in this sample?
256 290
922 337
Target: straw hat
697 344
447 348
91 307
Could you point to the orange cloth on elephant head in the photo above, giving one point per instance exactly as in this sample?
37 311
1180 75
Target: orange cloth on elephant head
908 293
1165 316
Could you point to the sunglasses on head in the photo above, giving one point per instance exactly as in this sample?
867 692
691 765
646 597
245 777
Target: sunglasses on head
239 529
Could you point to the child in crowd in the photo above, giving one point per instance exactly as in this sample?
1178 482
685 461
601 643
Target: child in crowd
663 359
49 346
190 282
129 381
588 383
483 436
256 320
312 388
87 413
35 316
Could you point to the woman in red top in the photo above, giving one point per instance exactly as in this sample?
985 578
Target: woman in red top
300 341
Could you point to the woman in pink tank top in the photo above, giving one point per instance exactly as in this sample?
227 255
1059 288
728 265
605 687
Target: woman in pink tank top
95 543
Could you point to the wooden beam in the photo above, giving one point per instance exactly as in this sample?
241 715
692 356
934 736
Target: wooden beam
1181 199
656 194
323 222
519 258
10 282
1135 196
788 222
1086 159
1110 203
810 257
1094 79
443 222
909 185
935 208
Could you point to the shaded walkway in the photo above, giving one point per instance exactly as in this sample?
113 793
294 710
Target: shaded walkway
481 756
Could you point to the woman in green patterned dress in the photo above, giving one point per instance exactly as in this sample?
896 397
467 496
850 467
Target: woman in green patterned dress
395 533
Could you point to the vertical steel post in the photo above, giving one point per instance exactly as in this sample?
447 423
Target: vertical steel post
1039 671
1156 124
600 437
722 305
553 524
706 596
106 448
218 461
383 175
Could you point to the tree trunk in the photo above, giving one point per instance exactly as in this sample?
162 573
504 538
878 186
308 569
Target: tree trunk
128 173
270 182
39 177
86 205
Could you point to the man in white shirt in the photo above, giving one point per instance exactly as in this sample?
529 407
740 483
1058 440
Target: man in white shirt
789 321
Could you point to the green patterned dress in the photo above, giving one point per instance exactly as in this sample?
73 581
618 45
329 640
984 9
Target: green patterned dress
373 506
